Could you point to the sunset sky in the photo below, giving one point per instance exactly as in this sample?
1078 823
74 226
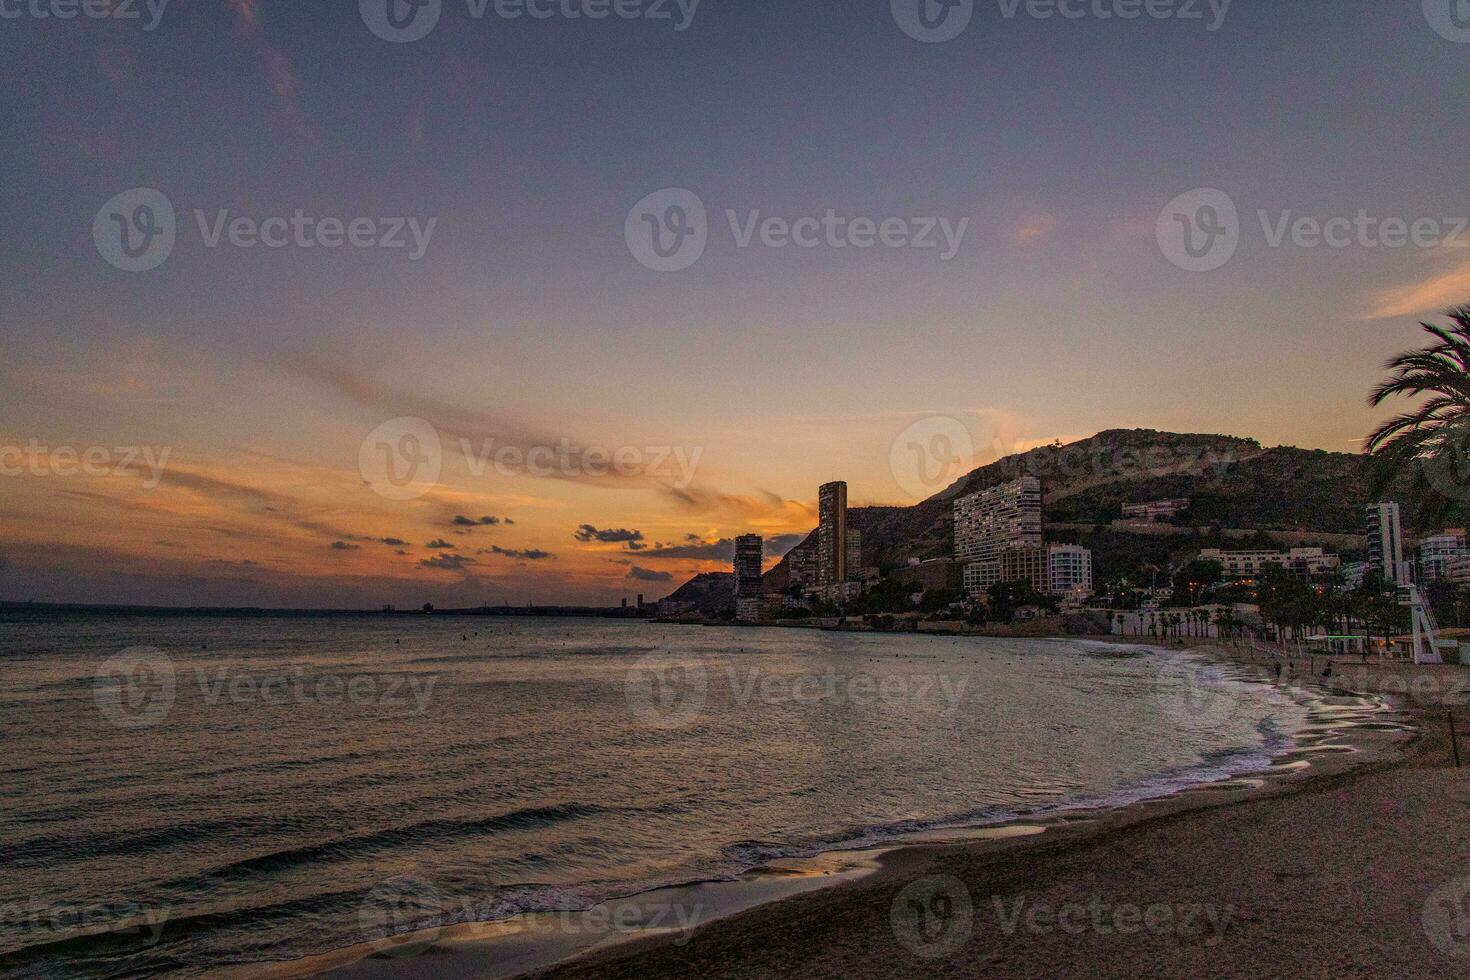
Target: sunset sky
262 372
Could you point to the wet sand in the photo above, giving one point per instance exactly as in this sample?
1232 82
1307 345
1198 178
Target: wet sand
1323 866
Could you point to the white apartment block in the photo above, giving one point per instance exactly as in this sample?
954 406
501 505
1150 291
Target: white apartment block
1386 543
1437 552
1249 564
1069 570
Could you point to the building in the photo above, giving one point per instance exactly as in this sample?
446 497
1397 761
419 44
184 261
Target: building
1459 572
1155 510
1025 564
1303 562
1069 570
832 534
937 573
750 593
801 564
1386 543
1353 574
1437 552
999 532
995 520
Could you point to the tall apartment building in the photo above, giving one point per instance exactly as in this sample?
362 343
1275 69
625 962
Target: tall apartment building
999 532
1069 570
1386 543
750 594
832 534
1437 552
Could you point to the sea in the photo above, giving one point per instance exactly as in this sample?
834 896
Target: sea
182 795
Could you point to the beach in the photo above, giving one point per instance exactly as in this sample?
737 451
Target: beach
1349 856
1358 868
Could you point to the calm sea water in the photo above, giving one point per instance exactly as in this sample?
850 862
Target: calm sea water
241 790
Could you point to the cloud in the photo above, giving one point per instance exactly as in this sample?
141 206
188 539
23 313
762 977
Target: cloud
1432 294
587 532
721 549
527 554
449 563
393 542
344 546
1032 228
278 72
461 521
649 575
441 544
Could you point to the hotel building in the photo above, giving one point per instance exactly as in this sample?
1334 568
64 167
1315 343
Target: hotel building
750 595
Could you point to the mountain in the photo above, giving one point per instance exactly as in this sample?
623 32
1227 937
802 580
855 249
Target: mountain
1292 495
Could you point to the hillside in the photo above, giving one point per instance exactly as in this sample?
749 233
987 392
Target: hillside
1233 483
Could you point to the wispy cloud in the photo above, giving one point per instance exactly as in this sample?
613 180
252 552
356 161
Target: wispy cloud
1437 292
278 72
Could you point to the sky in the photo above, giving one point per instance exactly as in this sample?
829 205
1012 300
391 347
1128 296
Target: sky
299 311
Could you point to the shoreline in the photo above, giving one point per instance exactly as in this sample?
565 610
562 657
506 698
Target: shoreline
1338 741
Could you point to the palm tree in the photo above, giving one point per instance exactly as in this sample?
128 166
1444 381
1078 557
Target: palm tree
1430 444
